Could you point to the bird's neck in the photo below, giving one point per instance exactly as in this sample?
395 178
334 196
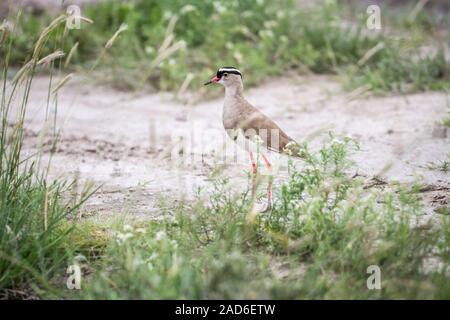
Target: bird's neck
233 94
234 98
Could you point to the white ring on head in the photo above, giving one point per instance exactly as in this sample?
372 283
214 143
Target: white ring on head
229 70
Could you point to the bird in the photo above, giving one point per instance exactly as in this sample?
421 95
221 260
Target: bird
240 117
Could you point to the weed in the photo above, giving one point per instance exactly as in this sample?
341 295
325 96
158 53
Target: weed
446 120
442 165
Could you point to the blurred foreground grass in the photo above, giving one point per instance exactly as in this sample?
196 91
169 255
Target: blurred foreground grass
173 44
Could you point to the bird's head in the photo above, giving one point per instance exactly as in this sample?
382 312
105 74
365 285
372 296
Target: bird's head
227 76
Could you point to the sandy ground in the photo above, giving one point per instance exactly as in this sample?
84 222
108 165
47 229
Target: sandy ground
123 141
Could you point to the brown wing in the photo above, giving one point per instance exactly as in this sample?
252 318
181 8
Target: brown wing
254 123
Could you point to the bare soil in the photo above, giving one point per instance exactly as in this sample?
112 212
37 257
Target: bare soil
122 141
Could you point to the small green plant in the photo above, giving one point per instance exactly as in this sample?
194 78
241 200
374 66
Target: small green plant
442 165
446 121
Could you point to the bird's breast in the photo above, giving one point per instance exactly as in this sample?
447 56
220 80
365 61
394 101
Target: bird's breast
230 116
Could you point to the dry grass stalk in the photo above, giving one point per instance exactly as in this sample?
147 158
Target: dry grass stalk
167 48
171 26
44 35
185 84
5 29
163 55
50 58
84 19
62 83
418 7
123 27
370 53
359 92
23 71
70 55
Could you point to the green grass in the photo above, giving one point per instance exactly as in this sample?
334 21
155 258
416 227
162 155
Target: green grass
446 120
266 39
33 209
442 165
323 233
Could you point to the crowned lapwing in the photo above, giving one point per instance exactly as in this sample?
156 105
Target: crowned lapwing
240 117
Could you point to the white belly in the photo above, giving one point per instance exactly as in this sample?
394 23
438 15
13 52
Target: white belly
239 147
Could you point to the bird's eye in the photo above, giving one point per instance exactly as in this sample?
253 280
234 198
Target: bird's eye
225 75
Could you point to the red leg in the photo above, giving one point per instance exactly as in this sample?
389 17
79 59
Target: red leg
254 173
252 159
267 162
269 185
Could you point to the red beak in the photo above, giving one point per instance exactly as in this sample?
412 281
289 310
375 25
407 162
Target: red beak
213 80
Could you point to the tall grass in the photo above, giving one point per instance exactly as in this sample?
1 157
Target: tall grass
33 209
